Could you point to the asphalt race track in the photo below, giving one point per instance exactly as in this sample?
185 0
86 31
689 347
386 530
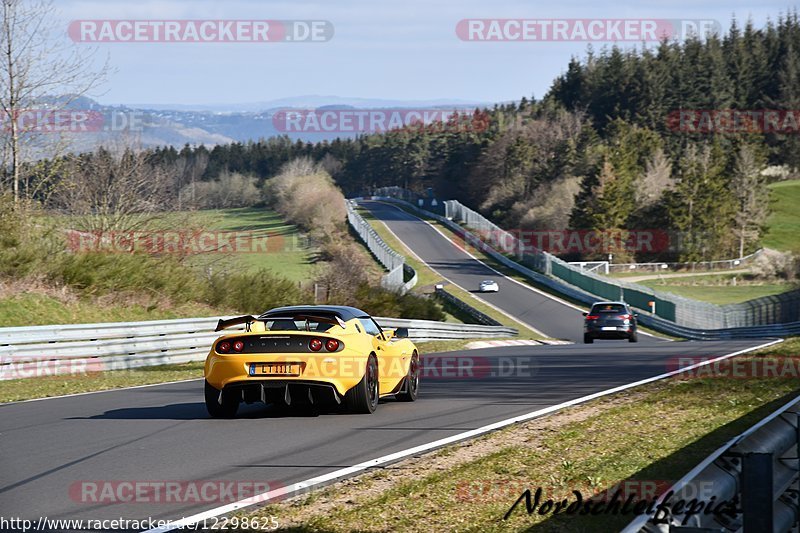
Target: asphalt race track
156 434
162 433
531 307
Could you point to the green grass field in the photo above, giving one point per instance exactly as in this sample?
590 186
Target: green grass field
717 289
288 252
783 224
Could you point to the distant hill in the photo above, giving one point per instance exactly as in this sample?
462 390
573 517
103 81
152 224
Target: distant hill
179 124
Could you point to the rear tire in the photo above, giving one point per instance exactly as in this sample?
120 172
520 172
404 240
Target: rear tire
411 386
229 406
587 339
634 337
363 398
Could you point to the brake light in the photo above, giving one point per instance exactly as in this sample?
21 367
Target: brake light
332 345
315 345
238 346
592 317
224 347
624 317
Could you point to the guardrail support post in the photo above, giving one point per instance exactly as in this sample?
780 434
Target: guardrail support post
757 502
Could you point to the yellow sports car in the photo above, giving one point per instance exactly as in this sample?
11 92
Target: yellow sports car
310 355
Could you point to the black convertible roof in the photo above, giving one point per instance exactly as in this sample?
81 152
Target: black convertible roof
342 311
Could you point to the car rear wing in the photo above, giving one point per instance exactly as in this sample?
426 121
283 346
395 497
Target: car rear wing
231 322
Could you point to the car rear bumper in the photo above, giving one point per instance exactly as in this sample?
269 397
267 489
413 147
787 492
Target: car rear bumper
620 332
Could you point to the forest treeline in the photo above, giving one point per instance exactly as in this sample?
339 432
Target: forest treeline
601 150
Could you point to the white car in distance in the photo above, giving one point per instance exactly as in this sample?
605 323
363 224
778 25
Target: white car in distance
489 285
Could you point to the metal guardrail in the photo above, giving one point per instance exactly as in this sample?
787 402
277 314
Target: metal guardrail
481 317
390 259
574 293
52 350
757 472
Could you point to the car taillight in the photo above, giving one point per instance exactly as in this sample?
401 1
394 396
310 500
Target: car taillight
224 347
238 346
592 317
624 317
332 345
315 345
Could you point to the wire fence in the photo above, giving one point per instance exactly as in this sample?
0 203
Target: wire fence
696 266
777 309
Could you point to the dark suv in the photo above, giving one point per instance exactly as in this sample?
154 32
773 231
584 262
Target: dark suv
610 320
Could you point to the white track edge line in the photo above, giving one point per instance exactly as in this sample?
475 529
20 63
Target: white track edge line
360 467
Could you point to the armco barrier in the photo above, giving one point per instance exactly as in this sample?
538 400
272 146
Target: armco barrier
756 472
781 308
38 350
480 317
391 260
577 294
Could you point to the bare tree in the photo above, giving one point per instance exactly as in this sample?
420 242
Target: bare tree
750 188
36 69
231 189
108 192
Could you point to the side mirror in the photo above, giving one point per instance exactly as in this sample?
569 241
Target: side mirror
401 333
585 313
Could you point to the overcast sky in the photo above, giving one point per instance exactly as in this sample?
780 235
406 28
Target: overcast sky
405 49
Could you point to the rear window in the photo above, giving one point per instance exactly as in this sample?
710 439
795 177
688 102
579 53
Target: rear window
296 325
608 308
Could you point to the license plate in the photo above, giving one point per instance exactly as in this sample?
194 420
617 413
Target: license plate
274 369
609 328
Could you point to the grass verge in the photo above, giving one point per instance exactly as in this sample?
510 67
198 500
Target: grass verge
655 433
38 309
26 389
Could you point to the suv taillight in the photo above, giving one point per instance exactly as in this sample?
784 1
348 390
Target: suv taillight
592 317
